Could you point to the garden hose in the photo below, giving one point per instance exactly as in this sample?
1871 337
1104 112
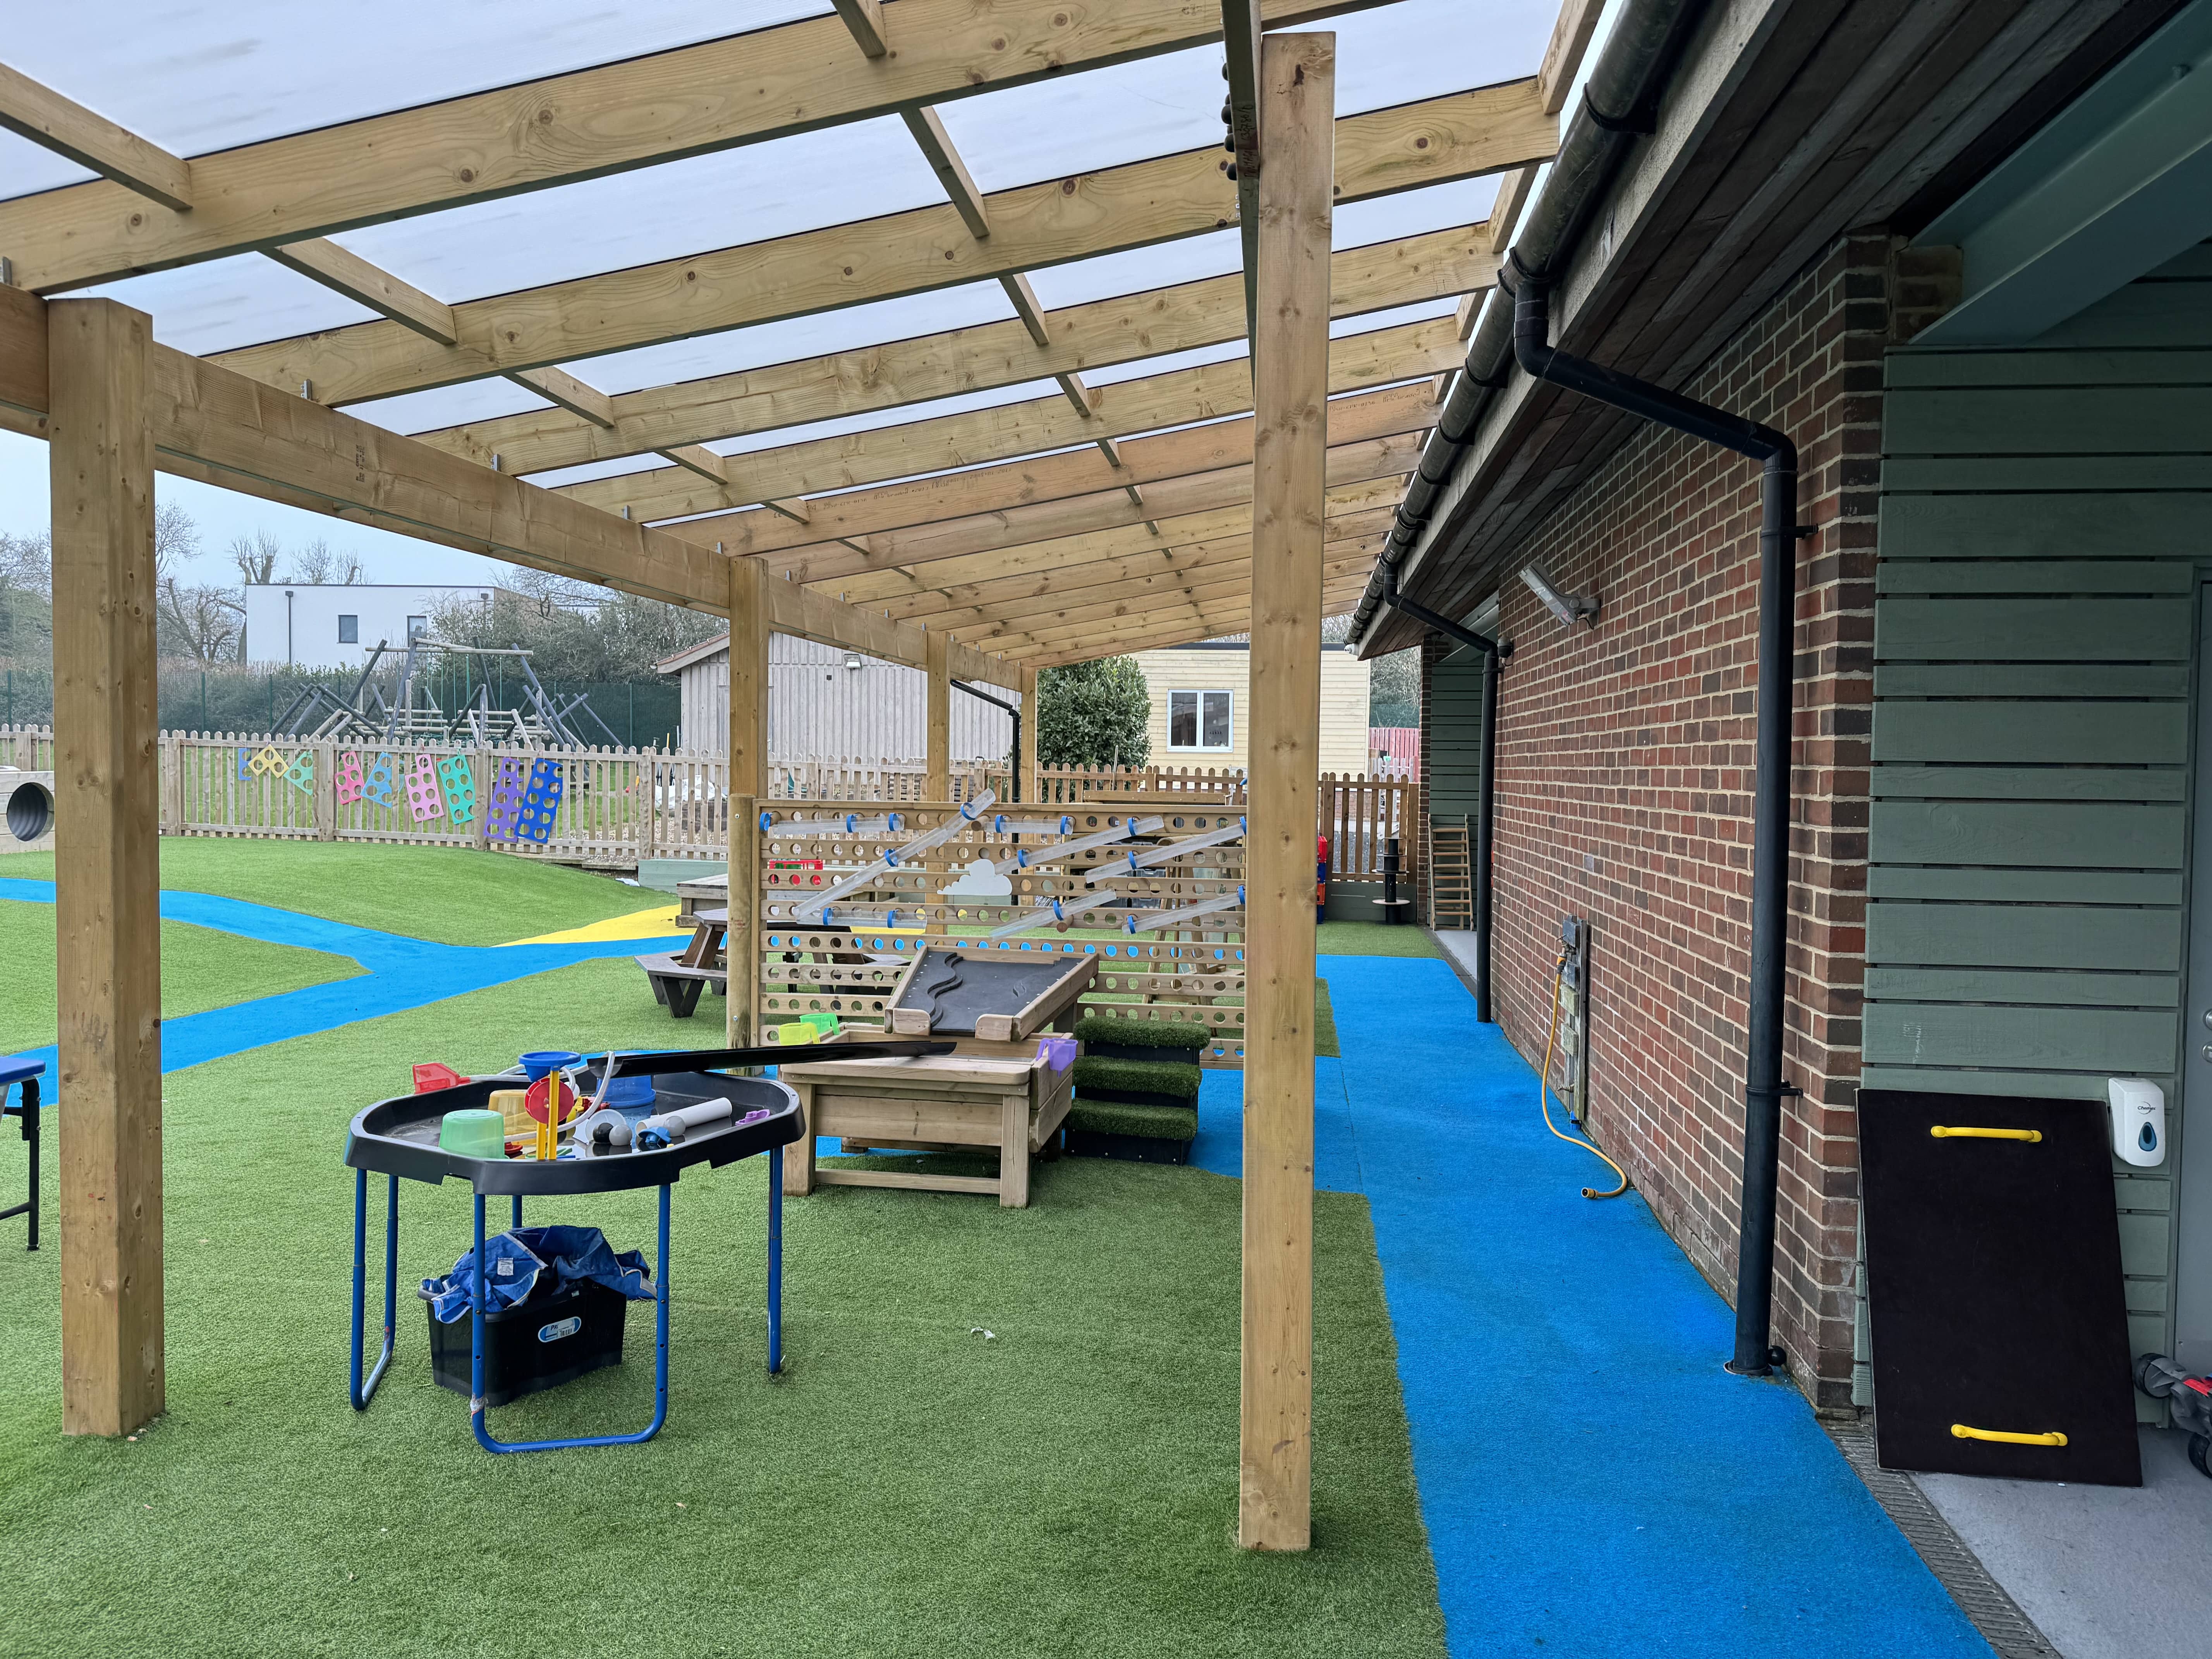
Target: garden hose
1544 1091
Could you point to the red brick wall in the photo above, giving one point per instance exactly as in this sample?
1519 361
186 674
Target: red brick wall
1624 790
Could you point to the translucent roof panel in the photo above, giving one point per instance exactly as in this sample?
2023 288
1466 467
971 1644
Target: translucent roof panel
449 405
1413 212
236 302
814 335
856 171
195 76
876 418
1392 54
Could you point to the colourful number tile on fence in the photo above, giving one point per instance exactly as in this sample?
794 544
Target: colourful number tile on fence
505 823
348 779
300 774
378 786
460 781
424 801
541 800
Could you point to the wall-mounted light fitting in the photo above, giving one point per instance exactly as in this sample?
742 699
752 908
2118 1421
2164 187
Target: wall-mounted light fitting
1567 607
852 661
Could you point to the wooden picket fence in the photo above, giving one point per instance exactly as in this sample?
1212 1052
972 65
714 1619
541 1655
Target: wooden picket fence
617 805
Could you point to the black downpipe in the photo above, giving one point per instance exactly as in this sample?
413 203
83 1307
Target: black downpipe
1763 1087
1485 809
1013 709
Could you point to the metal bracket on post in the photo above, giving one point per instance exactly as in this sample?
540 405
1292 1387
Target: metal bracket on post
1240 114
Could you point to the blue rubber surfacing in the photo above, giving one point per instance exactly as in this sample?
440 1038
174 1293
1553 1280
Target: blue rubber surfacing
400 973
1593 1483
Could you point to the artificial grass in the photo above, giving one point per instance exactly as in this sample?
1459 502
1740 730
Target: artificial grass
1065 1485
1123 1117
200 969
1095 1074
1143 1033
1325 1040
450 895
1373 938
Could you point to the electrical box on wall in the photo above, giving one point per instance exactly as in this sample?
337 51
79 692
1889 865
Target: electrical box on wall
1574 1016
2139 1120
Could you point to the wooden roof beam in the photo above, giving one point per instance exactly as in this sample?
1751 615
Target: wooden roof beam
1088 336
1040 626
221 428
1124 408
1024 299
52 122
1210 620
1041 497
663 106
1459 135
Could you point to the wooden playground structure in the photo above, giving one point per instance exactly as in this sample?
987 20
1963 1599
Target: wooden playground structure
980 547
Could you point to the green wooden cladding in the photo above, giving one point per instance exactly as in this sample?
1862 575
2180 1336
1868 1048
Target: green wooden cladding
1453 788
2046 514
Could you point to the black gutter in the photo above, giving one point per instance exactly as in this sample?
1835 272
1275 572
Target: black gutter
1013 709
1763 1088
1486 812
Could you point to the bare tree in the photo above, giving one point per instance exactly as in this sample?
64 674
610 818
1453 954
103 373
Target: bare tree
321 565
176 538
255 557
198 621
26 616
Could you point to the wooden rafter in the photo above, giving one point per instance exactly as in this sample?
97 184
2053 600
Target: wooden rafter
211 424
1094 335
963 511
145 171
1459 135
1122 409
695 100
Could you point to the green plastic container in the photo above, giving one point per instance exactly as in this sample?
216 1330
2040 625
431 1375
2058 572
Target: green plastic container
473 1133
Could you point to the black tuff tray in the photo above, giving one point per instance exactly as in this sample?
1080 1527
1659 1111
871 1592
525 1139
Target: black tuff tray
399 1136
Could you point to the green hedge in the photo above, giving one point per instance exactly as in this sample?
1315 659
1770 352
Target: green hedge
1096 1075
1107 1117
1142 1033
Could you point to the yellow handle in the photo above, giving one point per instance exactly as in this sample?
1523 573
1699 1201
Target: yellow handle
1960 1431
1948 1131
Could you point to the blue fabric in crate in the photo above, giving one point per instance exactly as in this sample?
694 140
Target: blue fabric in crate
515 1264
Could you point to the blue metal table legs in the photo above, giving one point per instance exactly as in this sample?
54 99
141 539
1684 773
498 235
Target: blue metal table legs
775 1260
483 1434
361 1393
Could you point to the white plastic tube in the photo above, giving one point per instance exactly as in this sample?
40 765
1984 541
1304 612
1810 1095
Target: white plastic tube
1051 910
816 908
1169 852
1131 828
1146 921
1003 825
665 1127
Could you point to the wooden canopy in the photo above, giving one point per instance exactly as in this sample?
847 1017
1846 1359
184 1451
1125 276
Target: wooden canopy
1110 474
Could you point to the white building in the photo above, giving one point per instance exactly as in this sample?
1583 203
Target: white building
826 704
307 625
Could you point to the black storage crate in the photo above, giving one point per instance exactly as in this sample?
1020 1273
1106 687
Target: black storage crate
538 1344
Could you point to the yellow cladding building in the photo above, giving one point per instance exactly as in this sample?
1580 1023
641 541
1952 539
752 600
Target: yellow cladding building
1200 694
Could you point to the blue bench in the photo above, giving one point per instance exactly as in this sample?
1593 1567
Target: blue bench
24 1103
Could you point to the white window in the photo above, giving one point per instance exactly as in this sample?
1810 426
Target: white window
418 627
1199 719
348 630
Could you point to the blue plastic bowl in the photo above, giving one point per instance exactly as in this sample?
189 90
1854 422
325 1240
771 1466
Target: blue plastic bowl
629 1091
541 1061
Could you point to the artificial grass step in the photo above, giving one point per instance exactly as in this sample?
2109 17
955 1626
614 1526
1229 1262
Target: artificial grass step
1168 1034
1116 1117
1096 1076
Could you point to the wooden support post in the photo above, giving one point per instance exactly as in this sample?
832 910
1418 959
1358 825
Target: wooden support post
746 779
1029 789
1290 374
106 873
937 785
